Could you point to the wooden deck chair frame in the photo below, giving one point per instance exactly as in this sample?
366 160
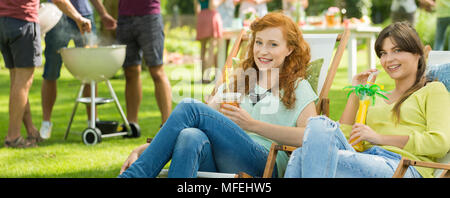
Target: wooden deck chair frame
322 106
405 162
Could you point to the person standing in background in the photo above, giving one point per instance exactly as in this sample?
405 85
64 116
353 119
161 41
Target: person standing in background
58 37
20 44
140 27
259 7
442 24
403 10
226 10
295 9
209 29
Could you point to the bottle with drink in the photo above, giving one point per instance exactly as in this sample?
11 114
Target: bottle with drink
366 93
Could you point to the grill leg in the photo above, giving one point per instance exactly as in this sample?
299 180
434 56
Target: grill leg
92 121
119 107
80 92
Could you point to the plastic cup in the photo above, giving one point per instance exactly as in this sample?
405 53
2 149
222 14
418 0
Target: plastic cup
231 98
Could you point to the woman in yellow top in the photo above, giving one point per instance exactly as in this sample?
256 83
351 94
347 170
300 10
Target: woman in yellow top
413 123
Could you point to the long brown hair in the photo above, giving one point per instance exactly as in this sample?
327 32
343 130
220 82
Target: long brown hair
407 39
294 66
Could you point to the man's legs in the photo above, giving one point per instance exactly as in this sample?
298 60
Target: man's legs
32 131
133 92
21 80
441 27
48 97
163 91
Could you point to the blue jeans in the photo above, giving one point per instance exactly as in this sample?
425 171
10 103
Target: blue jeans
441 26
197 137
440 73
57 38
326 153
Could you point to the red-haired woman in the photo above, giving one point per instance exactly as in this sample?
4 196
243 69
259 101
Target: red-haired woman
276 104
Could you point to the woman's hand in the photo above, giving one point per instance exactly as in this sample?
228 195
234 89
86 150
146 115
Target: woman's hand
361 78
238 116
134 155
362 132
130 160
213 101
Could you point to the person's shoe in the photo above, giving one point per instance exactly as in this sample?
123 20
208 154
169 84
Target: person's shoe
34 139
19 143
46 129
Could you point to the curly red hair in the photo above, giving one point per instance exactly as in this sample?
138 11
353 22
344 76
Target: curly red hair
294 66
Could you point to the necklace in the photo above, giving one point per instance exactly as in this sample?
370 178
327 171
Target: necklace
255 98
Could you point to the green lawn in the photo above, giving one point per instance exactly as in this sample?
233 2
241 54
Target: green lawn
72 159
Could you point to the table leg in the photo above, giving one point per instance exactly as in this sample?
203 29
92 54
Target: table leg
371 52
352 50
221 53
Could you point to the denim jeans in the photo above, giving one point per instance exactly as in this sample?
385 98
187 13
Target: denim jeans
197 137
326 153
58 37
441 26
440 73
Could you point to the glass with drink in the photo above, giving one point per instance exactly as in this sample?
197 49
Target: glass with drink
231 98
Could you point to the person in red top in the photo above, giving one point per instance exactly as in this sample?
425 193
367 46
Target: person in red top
140 27
20 44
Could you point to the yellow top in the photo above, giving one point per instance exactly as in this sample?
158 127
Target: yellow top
424 117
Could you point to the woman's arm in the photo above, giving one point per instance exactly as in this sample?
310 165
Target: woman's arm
349 113
134 155
197 8
292 136
211 101
435 140
213 4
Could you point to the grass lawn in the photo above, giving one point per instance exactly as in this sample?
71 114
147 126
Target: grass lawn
72 159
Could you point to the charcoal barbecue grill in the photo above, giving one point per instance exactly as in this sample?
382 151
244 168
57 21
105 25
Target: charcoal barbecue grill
91 66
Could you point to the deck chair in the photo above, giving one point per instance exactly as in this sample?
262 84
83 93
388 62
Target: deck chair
442 166
326 77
